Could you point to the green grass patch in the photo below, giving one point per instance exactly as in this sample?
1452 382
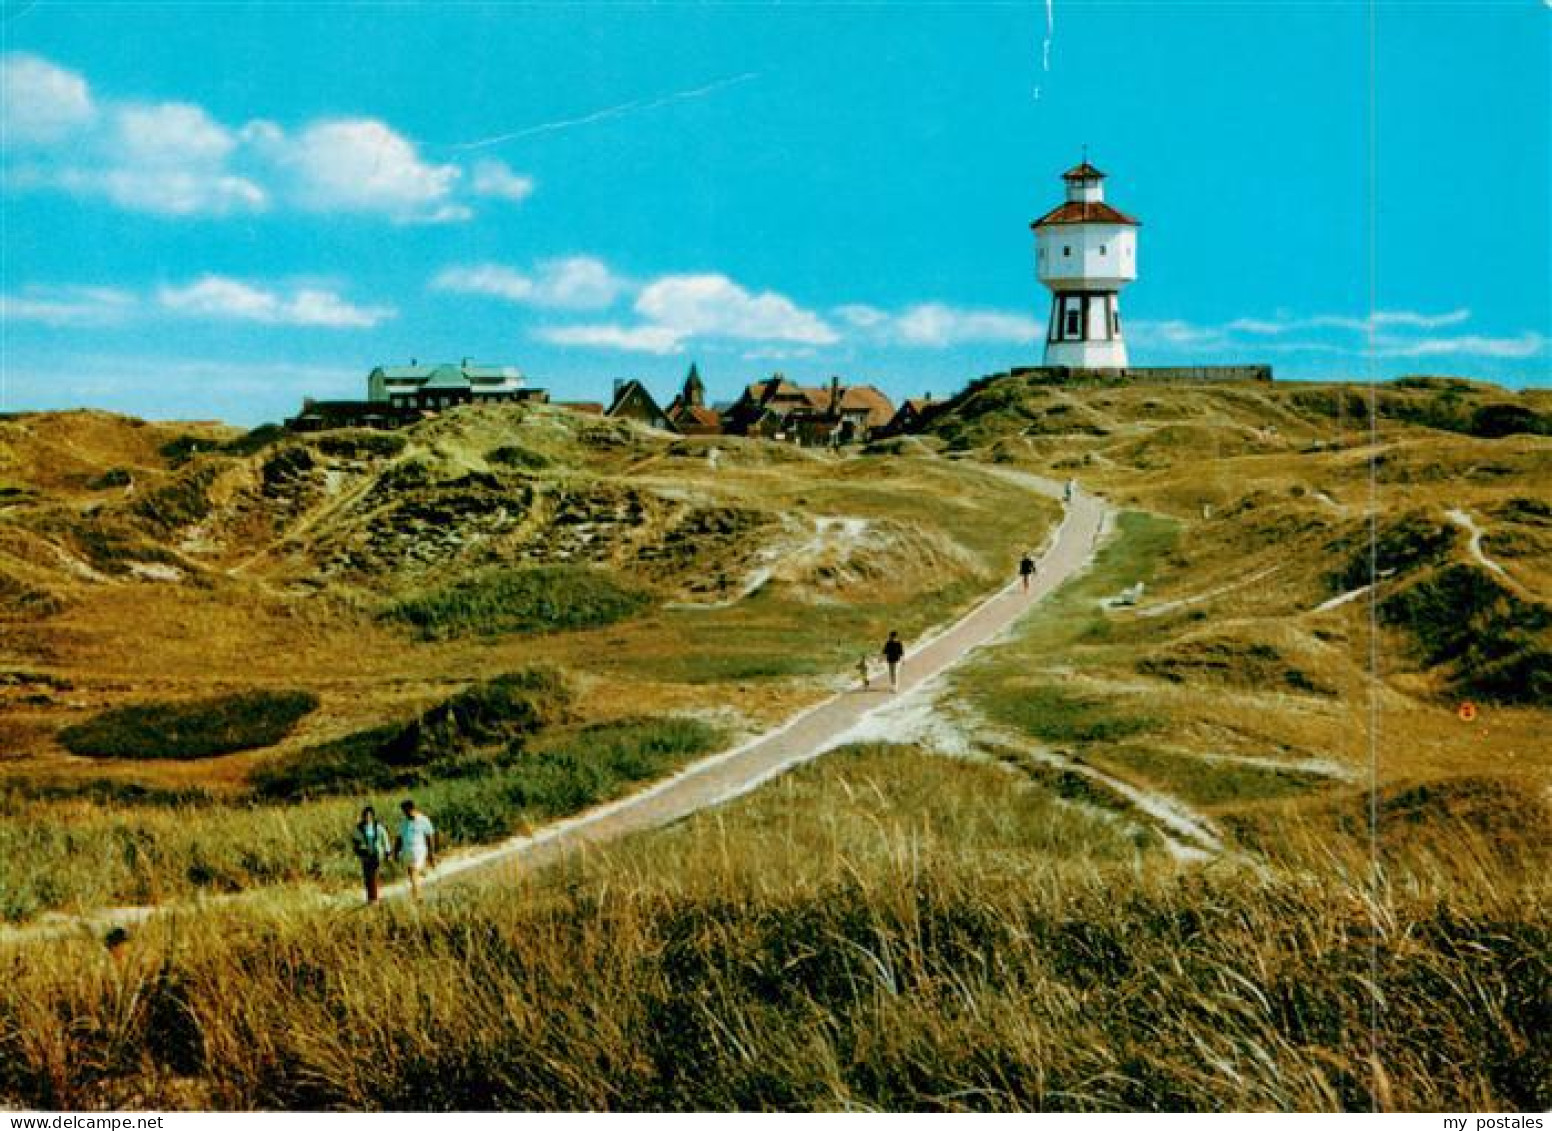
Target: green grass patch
1052 714
507 600
196 728
1203 782
566 772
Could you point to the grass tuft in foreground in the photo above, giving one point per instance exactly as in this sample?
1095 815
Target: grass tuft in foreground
831 943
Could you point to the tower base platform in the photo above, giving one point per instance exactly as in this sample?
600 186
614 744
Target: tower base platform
1136 374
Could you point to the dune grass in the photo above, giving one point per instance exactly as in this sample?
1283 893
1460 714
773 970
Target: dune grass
196 728
66 855
885 930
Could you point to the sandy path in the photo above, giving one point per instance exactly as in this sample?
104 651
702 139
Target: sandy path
1469 525
734 772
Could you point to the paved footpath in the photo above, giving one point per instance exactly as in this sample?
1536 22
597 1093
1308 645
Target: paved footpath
810 733
731 773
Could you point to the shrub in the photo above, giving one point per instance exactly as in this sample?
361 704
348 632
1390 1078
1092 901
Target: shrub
515 455
199 728
1496 642
360 444
1411 542
506 600
113 477
1497 420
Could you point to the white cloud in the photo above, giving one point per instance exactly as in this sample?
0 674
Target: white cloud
1285 323
861 315
937 325
68 305
176 134
41 102
363 165
714 306
1524 345
1174 332
674 309
167 191
176 159
214 296
494 178
934 324
635 339
578 282
1419 321
1382 334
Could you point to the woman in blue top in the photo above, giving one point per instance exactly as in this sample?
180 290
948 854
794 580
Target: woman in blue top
417 845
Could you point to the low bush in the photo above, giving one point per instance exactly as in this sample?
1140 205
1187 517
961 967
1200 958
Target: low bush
1497 644
500 713
519 457
360 443
186 730
1408 543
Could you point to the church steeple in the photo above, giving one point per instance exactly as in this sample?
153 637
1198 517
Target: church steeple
694 390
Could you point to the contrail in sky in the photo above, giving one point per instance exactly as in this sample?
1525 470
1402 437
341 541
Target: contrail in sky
1050 33
624 108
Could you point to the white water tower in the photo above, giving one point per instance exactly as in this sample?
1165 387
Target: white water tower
1085 252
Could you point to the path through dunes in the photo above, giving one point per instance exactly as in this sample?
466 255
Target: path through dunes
815 730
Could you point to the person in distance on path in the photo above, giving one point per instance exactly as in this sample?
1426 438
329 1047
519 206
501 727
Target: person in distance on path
1027 570
894 656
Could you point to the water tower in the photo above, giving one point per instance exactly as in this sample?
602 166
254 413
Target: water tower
1085 252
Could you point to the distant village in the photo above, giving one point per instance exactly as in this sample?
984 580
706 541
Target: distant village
1085 254
774 409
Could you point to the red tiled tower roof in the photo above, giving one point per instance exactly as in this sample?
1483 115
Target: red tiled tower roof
1085 212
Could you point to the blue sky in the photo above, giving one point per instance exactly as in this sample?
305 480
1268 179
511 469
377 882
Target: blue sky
212 209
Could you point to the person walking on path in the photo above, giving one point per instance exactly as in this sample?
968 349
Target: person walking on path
864 673
1069 490
417 845
894 656
369 841
1027 570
